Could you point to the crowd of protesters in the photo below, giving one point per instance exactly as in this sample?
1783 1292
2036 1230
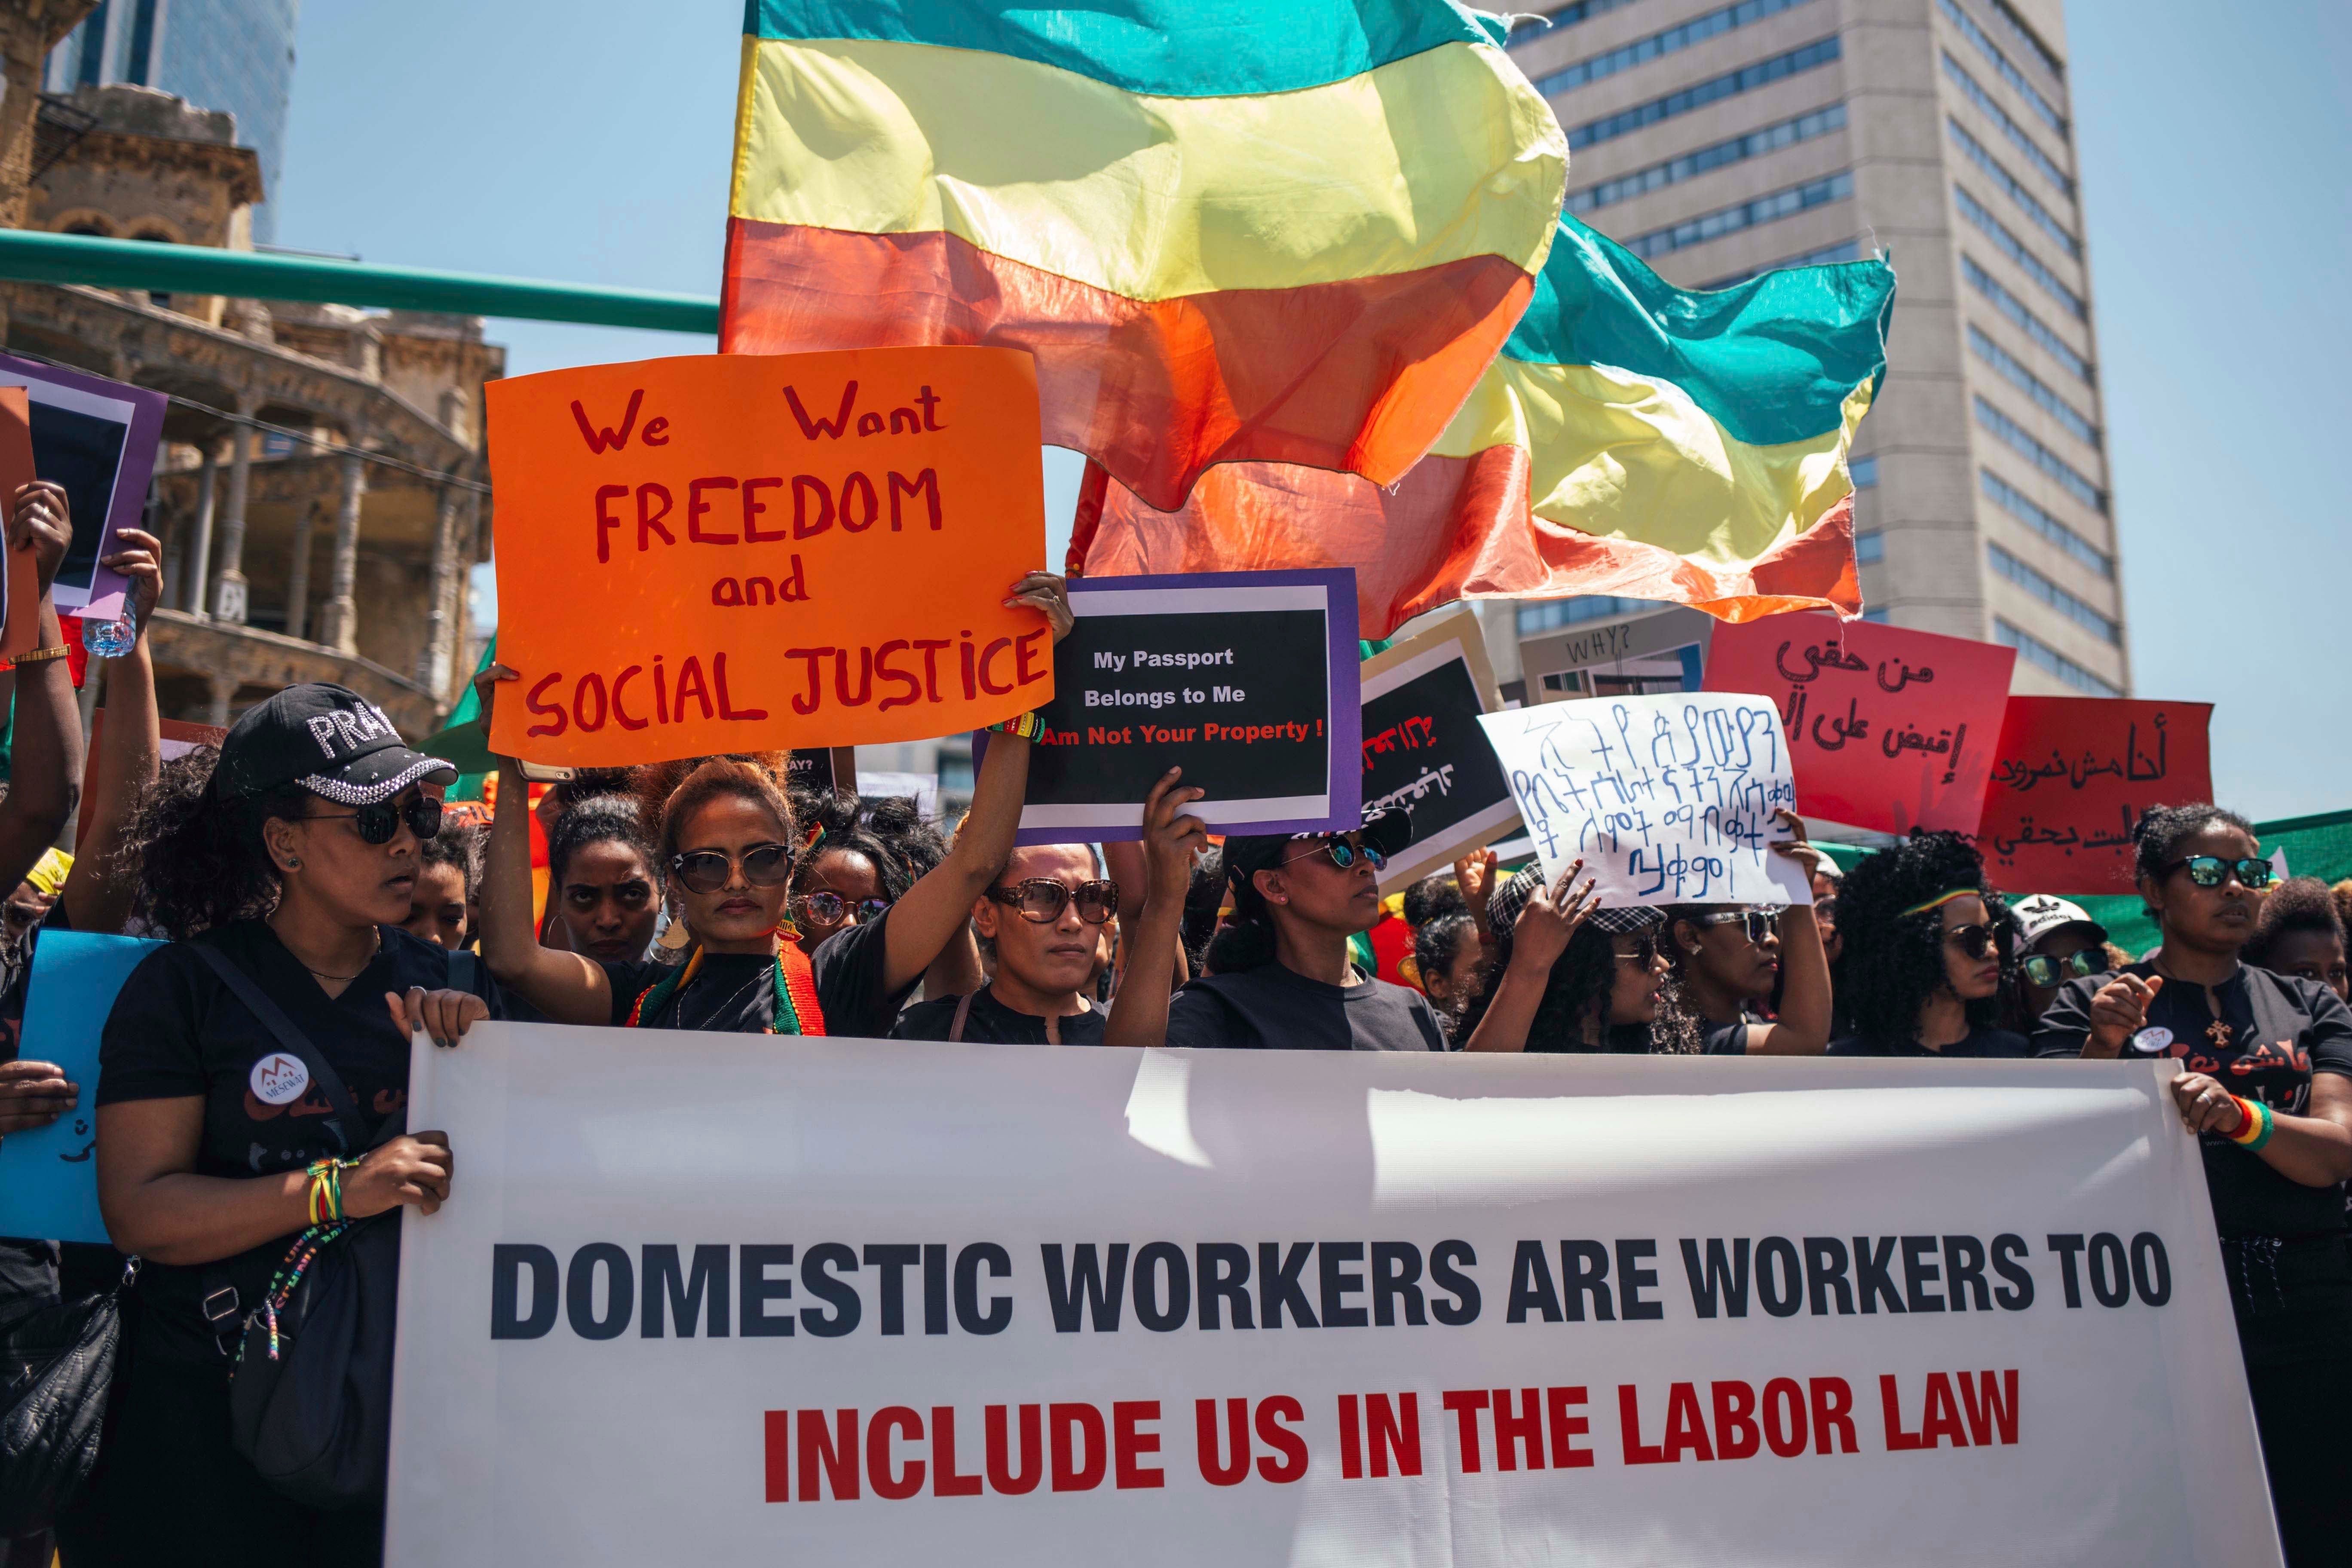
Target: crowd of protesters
308 874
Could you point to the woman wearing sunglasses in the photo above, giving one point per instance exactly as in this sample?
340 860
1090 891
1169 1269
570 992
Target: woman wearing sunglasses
214 1144
1725 960
729 844
1043 919
847 877
1281 976
2267 1089
1571 975
2057 942
1927 952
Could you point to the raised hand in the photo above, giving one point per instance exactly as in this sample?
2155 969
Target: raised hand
1169 840
140 560
1049 596
40 520
1549 919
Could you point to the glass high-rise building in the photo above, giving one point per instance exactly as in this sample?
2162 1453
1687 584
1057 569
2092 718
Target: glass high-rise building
1718 138
237 55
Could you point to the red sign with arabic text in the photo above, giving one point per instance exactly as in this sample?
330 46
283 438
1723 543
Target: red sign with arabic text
2074 774
1888 728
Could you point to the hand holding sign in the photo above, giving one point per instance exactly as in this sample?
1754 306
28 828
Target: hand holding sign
735 553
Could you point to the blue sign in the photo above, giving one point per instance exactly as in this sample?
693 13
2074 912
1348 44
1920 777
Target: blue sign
48 1179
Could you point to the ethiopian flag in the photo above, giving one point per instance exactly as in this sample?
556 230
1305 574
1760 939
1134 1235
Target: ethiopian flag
1229 230
1633 438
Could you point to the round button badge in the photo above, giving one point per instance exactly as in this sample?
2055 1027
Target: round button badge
2152 1039
279 1079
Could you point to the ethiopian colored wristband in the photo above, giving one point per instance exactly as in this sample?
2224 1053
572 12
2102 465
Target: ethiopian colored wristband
1028 726
2256 1130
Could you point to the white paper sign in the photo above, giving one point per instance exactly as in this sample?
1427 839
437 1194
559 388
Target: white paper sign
735 1300
1667 799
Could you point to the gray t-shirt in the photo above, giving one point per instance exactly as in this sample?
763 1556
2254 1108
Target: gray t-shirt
1275 1008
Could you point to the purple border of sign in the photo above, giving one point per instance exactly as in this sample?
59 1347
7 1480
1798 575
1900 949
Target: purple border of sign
1347 721
128 503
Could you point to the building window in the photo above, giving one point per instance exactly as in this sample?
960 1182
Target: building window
1747 79
2033 385
2050 593
2009 245
1675 39
2040 457
1988 106
2043 218
1525 26
1738 149
1698 230
1869 547
2036 652
2007 497
2043 110
1828 254
1553 614
2015 25
1864 471
2025 321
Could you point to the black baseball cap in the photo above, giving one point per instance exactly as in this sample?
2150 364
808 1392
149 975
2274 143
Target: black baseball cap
328 739
1387 829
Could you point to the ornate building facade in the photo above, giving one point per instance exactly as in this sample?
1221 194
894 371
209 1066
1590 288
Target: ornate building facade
321 491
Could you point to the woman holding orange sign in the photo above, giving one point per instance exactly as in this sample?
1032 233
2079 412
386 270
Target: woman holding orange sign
728 843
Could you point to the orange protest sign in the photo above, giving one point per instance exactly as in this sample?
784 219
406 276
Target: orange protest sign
20 621
731 552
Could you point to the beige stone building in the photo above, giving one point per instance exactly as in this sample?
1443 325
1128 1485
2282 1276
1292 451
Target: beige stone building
1717 137
323 491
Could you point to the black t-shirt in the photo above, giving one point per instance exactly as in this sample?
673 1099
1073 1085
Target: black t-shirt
176 1032
1274 1008
2282 1030
1979 1043
991 1023
849 982
1616 1040
732 993
1724 1039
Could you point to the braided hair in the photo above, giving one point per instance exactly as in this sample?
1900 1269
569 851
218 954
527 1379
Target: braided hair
1892 962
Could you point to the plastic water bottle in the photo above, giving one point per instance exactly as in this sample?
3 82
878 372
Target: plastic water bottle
111 639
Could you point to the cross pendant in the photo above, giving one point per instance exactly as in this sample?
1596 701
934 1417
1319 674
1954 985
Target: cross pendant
2218 1033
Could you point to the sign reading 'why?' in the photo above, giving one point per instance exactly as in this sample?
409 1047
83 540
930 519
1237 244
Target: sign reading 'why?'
730 552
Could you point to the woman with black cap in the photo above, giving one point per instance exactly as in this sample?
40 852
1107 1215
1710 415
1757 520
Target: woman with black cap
1281 975
286 881
1571 975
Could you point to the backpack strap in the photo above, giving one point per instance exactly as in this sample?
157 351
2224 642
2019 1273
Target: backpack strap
465 971
292 1040
962 1017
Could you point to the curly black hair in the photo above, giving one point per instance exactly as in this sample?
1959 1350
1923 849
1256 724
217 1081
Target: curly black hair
601 819
837 812
198 862
1581 978
1433 896
2299 903
458 843
1893 961
2158 832
1204 898
898 820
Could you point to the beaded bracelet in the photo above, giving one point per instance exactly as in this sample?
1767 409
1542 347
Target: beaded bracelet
1028 726
2255 1129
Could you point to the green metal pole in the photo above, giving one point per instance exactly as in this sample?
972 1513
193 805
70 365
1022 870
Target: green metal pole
29 257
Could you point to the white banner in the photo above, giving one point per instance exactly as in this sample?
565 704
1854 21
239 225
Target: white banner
725 1299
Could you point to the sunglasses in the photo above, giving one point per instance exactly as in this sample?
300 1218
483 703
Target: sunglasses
707 870
2048 973
1042 902
826 908
1755 923
1980 941
1343 854
1645 951
379 823
2211 870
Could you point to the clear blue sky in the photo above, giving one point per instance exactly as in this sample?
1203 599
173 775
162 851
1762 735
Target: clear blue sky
589 141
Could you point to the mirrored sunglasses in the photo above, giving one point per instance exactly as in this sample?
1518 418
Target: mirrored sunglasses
1344 855
2211 870
826 908
1755 923
2051 972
